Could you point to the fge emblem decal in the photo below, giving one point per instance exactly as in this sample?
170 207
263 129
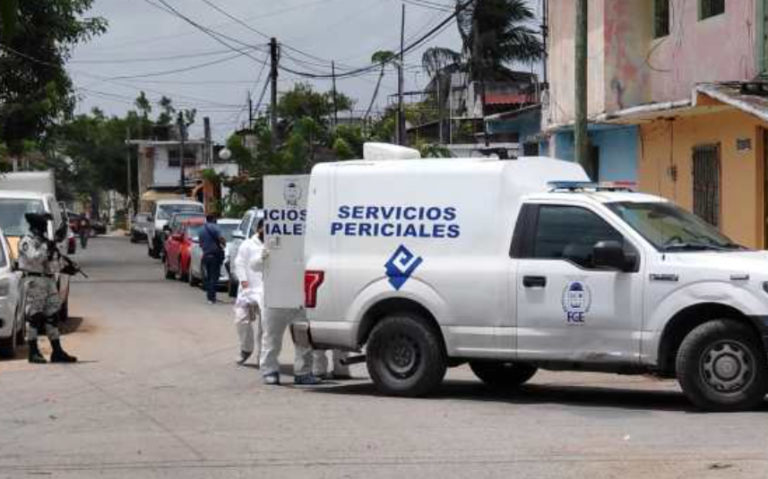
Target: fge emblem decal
576 302
401 266
292 193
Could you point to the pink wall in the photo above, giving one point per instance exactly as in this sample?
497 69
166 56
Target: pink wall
628 67
720 48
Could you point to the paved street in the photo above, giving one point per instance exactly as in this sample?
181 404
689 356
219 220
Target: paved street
157 394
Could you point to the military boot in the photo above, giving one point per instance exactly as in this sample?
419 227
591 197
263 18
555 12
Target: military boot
34 353
59 355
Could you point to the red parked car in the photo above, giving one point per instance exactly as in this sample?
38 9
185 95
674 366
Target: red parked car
178 246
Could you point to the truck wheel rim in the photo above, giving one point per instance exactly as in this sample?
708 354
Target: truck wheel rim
402 356
728 366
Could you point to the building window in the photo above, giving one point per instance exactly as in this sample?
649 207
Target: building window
706 183
660 18
190 157
710 8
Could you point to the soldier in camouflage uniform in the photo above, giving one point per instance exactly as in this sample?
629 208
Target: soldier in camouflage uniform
39 261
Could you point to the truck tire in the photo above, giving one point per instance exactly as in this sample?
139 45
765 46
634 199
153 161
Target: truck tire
405 356
721 366
502 374
182 276
232 287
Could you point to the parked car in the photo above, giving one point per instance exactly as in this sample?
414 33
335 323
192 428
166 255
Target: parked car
11 305
246 229
174 224
139 227
98 227
177 248
227 226
161 215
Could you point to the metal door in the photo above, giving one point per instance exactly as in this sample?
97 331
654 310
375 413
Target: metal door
706 183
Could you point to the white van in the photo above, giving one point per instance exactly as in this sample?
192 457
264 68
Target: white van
161 214
432 263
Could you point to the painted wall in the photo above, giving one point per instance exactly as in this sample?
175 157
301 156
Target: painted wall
527 125
618 153
618 150
667 145
628 67
169 175
560 61
719 48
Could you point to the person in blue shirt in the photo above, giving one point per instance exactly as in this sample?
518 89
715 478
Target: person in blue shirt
212 244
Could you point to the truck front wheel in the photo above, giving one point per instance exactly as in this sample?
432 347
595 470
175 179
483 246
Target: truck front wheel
405 356
722 367
502 375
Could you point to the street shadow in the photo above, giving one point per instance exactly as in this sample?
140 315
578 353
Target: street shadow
72 324
566 395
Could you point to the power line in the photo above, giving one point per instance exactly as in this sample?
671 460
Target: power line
217 36
176 70
434 30
156 59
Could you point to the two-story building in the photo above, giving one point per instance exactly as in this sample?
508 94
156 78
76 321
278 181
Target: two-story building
159 168
675 102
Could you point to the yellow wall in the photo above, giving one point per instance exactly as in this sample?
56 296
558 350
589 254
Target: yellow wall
667 143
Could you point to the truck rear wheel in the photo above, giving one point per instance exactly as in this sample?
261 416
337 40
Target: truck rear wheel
722 367
405 356
501 374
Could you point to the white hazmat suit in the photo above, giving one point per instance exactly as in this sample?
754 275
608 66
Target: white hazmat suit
249 305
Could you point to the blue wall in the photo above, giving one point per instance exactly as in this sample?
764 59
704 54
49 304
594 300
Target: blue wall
618 150
527 125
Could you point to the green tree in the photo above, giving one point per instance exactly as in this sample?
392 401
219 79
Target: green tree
494 33
383 58
35 89
167 113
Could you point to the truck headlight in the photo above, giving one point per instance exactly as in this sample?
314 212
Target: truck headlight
5 287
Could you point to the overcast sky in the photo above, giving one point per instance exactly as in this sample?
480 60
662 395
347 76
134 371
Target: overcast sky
145 40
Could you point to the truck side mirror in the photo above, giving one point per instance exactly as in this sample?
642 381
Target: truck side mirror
610 255
237 234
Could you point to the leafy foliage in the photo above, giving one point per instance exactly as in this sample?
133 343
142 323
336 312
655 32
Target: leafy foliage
35 89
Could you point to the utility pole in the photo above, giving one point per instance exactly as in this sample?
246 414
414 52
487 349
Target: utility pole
335 106
129 182
580 125
545 40
208 147
250 110
400 107
181 152
273 54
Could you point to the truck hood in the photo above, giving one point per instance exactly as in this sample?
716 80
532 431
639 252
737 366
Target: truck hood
744 262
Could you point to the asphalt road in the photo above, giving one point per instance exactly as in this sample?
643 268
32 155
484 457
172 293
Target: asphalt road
157 394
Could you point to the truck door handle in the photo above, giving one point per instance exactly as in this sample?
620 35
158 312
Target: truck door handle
534 281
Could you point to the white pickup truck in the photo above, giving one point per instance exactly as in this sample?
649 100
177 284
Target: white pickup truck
517 265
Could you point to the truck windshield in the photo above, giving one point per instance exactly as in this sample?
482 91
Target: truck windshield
671 228
166 211
12 211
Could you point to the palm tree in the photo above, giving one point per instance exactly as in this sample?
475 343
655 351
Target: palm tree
493 33
383 58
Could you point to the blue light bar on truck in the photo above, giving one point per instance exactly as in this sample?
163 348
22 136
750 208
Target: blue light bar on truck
591 186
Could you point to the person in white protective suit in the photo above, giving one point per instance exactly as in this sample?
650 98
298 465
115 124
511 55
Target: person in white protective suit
274 322
249 305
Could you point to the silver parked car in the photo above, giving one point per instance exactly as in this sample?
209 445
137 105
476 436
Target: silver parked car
227 227
11 303
139 227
